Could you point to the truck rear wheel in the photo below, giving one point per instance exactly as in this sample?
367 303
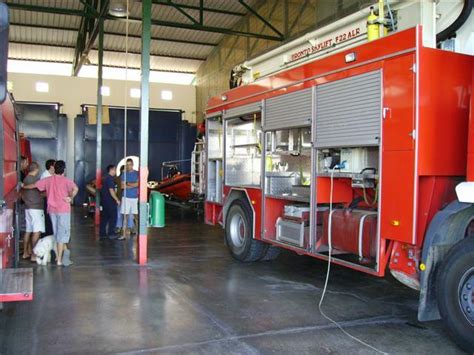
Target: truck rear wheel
271 253
238 233
455 293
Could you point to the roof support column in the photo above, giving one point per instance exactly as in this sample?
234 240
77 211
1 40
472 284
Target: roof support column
98 166
144 118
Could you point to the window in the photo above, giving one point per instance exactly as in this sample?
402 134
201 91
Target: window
90 71
42 86
167 95
135 93
105 91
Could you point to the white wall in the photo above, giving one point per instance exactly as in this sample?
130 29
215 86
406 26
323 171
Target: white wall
71 92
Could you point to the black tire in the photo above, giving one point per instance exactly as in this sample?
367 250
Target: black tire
271 253
238 233
455 293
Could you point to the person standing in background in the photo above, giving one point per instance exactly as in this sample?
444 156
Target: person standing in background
34 214
47 173
109 202
60 192
21 209
49 165
23 167
119 224
129 205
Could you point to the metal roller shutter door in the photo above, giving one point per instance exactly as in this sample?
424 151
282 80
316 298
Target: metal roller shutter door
348 111
288 111
243 110
214 114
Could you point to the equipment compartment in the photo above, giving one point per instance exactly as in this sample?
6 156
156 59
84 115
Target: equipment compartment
292 232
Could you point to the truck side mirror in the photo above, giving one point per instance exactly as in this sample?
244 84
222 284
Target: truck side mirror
3 50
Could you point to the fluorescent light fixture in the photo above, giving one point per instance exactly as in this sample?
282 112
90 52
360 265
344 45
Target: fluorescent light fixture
135 93
118 8
105 91
41 86
167 95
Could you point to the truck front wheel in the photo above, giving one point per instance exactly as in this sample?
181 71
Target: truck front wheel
455 293
239 233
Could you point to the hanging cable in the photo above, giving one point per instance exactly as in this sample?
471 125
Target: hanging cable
392 20
331 211
125 117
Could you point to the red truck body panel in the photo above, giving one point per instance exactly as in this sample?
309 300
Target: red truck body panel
9 181
424 135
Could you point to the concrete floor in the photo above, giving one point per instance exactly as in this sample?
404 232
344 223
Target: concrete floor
194 298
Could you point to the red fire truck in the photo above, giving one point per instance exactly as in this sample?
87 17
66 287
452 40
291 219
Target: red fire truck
15 284
342 148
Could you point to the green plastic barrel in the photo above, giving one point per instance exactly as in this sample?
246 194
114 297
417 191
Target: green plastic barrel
157 210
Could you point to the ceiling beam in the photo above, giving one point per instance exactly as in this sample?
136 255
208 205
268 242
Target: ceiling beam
89 7
84 31
66 46
194 27
121 34
261 18
64 11
204 8
181 11
199 27
201 12
93 32
45 9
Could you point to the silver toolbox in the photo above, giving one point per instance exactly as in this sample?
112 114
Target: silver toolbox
291 232
279 183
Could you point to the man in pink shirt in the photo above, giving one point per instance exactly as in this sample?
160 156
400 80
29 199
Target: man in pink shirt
59 192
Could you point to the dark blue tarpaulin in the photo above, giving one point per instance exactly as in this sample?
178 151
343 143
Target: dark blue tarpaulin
170 138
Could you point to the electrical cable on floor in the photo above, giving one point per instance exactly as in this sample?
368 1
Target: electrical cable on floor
329 267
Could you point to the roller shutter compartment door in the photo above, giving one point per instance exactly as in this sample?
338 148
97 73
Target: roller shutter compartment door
289 110
348 111
243 110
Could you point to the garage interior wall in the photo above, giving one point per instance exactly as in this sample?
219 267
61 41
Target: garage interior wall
291 17
72 92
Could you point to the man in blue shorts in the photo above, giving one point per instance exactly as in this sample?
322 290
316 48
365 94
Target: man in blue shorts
129 205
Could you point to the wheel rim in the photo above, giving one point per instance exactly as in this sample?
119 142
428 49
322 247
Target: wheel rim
237 230
466 295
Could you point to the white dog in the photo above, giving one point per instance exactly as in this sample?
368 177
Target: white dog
43 249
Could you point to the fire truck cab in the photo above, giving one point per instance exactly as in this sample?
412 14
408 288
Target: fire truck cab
338 147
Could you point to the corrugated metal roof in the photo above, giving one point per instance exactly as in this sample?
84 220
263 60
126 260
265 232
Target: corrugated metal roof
37 34
40 53
64 4
42 35
39 18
